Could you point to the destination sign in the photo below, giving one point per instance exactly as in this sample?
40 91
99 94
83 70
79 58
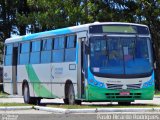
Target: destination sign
118 29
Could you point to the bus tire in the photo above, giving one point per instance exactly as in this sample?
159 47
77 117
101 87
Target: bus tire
27 98
78 102
66 101
35 101
26 94
124 103
71 95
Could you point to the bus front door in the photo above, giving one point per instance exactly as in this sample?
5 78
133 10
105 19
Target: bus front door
82 69
14 68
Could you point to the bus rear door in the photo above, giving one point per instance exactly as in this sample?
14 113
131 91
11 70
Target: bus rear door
14 67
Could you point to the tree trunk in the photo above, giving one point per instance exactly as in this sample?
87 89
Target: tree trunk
22 29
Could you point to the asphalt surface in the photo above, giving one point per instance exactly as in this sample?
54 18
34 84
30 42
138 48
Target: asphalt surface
32 114
99 116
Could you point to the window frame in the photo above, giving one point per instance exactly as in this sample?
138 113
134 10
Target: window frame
40 46
8 55
55 39
45 40
70 48
43 50
75 39
7 50
23 53
37 51
21 47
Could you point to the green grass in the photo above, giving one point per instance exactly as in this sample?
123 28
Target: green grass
157 93
13 104
2 94
103 106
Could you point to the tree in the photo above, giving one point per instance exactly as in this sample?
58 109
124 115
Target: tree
7 16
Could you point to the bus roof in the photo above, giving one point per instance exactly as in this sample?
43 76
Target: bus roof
62 31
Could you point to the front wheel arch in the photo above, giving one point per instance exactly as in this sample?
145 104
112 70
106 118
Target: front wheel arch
26 95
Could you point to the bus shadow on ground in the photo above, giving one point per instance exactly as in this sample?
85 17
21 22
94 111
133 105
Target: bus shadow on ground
45 104
100 105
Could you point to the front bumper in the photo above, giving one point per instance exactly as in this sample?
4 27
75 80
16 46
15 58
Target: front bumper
102 94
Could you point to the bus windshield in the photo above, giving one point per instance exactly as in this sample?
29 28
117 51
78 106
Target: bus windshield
120 55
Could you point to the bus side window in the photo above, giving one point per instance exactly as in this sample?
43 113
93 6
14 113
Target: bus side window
58 52
46 50
70 51
71 41
24 53
8 54
35 52
59 43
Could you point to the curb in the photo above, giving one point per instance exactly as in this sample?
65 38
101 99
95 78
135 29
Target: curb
64 111
16 108
128 109
14 96
48 109
96 110
69 111
157 96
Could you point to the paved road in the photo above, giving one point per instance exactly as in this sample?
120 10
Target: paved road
29 111
19 99
43 115
50 116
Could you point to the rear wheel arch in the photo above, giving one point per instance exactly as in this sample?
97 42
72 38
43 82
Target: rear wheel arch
26 95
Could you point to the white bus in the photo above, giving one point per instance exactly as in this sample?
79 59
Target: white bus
109 61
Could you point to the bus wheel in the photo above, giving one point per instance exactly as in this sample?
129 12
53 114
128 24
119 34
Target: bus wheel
78 102
27 98
66 101
71 95
124 103
35 101
26 95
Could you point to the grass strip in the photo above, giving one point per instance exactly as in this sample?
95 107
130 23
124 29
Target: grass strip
104 106
3 95
13 104
157 93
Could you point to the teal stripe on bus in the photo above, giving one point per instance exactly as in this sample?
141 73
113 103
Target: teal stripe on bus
47 34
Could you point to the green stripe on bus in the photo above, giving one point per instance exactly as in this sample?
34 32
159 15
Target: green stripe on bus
39 89
104 94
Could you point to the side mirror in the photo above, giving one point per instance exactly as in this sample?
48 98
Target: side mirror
87 50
